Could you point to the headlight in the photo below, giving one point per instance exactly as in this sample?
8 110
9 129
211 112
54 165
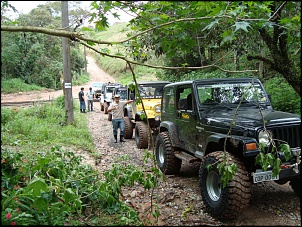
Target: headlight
264 137
157 109
157 118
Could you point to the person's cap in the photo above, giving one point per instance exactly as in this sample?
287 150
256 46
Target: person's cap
116 96
90 88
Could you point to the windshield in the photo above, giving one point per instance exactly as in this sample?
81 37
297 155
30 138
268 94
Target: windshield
97 84
151 90
109 89
122 93
231 93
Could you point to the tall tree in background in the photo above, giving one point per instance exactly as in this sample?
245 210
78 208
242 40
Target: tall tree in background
190 33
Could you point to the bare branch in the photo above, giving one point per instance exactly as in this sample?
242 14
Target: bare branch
162 67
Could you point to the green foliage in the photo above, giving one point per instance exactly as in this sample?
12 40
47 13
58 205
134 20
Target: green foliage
283 96
60 102
44 184
37 58
7 115
266 159
43 124
17 85
226 172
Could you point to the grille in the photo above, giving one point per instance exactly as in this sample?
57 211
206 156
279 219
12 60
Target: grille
289 134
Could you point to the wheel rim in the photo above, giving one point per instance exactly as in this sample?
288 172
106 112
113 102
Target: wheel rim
161 155
213 186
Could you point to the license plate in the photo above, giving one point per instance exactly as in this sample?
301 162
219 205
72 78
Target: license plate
264 176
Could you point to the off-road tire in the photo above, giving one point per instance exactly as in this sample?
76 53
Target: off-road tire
109 116
128 133
227 202
295 185
106 108
164 152
141 135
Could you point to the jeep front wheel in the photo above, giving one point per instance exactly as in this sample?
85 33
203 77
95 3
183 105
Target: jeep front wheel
141 135
227 202
166 160
128 128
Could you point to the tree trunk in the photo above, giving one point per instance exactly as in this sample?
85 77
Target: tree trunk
66 67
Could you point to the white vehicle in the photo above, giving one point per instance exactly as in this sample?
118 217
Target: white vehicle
97 89
106 96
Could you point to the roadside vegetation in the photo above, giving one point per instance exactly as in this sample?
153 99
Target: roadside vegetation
45 183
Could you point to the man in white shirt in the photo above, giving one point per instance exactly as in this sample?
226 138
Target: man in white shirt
117 109
89 95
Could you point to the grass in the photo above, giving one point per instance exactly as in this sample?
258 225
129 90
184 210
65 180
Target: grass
17 85
42 126
44 183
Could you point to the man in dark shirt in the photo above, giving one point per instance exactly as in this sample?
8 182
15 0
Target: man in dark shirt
82 101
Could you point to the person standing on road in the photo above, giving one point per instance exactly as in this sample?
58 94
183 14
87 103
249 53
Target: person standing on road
117 109
82 101
89 95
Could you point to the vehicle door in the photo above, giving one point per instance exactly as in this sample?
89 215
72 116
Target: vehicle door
186 117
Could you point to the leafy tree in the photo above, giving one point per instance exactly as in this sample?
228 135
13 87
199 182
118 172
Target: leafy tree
34 57
186 31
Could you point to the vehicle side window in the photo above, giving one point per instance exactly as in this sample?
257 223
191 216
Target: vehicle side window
168 100
185 99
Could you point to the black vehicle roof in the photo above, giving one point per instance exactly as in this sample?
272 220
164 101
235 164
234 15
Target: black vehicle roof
210 81
121 88
112 84
152 82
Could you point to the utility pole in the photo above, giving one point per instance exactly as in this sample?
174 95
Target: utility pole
85 59
67 85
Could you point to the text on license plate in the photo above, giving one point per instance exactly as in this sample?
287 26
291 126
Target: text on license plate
264 176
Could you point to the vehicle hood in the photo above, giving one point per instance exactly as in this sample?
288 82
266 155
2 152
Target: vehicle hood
250 117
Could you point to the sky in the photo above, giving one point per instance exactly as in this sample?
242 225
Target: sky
26 6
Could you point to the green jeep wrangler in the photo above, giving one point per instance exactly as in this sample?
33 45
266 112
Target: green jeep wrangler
134 117
202 120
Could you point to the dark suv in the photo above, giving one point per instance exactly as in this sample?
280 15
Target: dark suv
213 121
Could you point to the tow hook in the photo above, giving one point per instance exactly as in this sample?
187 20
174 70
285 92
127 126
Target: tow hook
295 166
298 161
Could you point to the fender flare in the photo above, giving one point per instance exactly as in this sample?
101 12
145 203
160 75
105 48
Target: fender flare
171 128
138 116
237 141
128 112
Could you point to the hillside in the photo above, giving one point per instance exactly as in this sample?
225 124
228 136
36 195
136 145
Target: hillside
117 67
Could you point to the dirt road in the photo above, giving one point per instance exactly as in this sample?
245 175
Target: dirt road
178 196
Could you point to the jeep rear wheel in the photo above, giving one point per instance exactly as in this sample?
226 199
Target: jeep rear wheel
106 108
166 160
141 135
227 202
128 128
